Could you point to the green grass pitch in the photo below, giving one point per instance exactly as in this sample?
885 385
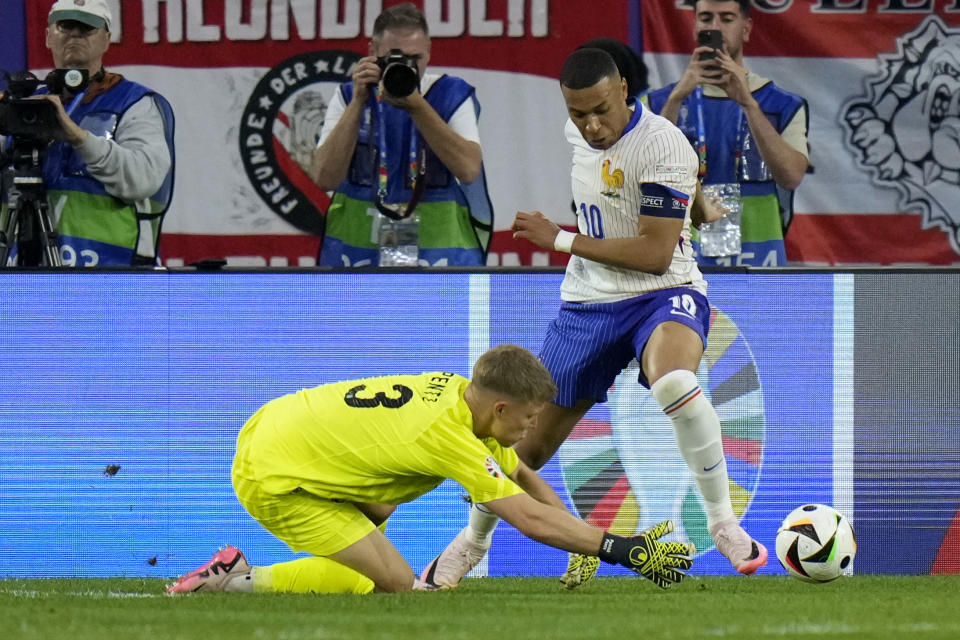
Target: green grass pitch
867 607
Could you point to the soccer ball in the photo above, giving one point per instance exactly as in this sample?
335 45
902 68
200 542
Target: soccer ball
816 543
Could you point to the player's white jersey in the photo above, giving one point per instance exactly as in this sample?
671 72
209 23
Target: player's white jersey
652 163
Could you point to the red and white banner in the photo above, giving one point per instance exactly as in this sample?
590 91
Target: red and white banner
249 81
882 80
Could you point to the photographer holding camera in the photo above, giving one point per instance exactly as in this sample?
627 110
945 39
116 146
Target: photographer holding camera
108 172
751 137
401 148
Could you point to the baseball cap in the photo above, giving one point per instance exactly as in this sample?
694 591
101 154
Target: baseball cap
95 13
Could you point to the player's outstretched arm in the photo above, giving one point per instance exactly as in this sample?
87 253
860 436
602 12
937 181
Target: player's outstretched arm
528 480
548 524
663 563
581 567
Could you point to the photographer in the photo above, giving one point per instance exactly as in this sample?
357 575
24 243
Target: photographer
108 173
750 133
404 156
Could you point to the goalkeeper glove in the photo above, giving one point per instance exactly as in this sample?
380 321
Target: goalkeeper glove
663 563
580 568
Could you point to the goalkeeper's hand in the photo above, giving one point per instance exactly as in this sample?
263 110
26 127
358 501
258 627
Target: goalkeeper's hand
663 563
580 568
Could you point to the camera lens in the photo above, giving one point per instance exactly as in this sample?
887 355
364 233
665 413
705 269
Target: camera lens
73 79
400 80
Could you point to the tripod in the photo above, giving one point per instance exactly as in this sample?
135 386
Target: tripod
27 221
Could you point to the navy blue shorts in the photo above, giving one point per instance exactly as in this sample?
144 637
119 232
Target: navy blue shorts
588 345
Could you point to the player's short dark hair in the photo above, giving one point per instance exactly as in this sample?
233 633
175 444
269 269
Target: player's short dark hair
628 61
401 17
515 372
744 6
586 67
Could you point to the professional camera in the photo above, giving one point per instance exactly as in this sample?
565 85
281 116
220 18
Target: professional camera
30 119
400 72
31 125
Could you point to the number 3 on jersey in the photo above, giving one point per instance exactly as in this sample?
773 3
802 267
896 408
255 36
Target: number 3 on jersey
380 399
593 219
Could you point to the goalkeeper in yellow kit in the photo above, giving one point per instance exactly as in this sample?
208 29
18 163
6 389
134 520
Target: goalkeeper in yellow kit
323 467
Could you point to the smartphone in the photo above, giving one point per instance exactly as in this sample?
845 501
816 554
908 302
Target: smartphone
710 38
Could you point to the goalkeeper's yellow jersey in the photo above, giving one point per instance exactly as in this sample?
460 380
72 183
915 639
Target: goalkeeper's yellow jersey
383 440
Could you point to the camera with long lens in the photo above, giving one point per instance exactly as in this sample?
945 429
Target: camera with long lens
399 72
36 120
25 223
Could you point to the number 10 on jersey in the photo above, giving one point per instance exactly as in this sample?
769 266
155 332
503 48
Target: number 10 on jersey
592 217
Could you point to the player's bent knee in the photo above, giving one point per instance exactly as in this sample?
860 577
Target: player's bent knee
677 381
672 389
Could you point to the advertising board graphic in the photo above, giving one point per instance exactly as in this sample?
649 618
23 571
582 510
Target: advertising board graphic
118 426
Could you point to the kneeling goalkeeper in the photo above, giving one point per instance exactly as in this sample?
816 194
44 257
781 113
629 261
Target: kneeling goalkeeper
323 467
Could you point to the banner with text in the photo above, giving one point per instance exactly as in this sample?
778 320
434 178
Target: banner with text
250 80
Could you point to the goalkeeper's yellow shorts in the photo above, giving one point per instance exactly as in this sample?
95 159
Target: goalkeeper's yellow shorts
306 522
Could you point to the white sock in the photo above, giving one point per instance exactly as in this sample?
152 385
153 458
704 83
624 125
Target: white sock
482 523
697 428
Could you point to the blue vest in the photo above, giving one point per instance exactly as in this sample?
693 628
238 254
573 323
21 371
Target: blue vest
358 192
97 228
727 136
721 116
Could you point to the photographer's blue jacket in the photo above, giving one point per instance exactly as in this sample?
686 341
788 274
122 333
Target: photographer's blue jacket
456 219
767 208
97 228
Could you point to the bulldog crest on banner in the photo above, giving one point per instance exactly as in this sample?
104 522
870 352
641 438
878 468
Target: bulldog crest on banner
280 128
906 129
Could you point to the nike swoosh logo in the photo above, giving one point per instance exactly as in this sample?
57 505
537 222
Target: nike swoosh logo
717 464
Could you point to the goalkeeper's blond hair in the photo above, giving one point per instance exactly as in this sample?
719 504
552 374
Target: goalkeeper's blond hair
515 372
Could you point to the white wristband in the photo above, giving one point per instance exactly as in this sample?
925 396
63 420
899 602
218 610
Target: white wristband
564 241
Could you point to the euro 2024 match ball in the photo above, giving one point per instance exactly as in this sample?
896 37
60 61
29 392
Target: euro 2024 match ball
816 543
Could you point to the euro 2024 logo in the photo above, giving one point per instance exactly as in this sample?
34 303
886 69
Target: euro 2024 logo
906 130
280 128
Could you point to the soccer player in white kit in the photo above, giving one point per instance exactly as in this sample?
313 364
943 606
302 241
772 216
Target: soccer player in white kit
632 289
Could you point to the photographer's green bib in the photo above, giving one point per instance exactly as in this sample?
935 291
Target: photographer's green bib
455 219
96 228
